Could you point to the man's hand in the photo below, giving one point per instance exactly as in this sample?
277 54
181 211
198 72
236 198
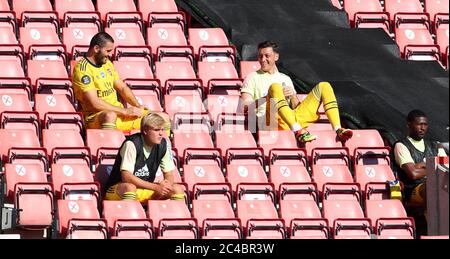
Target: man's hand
133 112
288 92
421 166
166 188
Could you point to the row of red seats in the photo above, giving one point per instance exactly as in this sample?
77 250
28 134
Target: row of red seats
103 6
420 34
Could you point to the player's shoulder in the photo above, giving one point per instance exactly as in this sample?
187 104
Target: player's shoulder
82 65
284 76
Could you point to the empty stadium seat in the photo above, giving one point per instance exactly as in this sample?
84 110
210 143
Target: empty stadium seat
133 229
8 27
25 138
299 201
157 37
245 165
90 20
25 156
213 191
147 92
46 69
64 6
22 173
207 37
366 14
326 138
167 20
4 5
107 6
266 229
216 70
178 229
148 7
173 70
396 229
168 209
255 202
394 7
183 96
78 174
38 36
117 210
136 69
72 36
45 103
87 229
377 209
309 229
34 205
54 138
20 120
231 133
124 36
269 140
288 166
442 34
14 102
364 138
372 165
222 229
435 8
20 6
97 139
248 67
202 166
212 209
68 210
331 165
352 229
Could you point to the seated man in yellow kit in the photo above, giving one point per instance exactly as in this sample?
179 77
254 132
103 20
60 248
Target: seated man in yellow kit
136 165
269 84
97 85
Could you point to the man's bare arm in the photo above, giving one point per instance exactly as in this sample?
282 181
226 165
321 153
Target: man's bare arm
415 171
126 93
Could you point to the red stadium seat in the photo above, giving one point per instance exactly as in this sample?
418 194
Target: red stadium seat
269 140
325 139
331 165
222 229
364 14
299 201
377 209
70 174
69 210
117 210
147 92
169 209
61 138
4 5
167 20
395 228
46 69
212 191
248 67
8 26
147 7
288 166
218 104
250 208
40 20
365 139
245 166
64 6
212 209
133 229
207 37
157 37
231 87
73 36
352 229
14 102
107 6
136 69
173 70
97 139
183 96
26 156
310 229
87 229
442 34
124 36
216 70
82 20
45 103
11 68
436 7
178 229
372 165
20 6
416 43
202 166
34 204
266 229
22 173
20 120
394 7
68 121
38 36
22 138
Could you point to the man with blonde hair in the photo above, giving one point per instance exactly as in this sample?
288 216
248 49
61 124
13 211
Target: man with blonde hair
140 156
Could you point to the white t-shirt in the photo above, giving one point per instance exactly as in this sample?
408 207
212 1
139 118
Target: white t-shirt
257 84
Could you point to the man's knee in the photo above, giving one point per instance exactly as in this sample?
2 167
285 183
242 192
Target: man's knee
108 117
127 187
177 189
325 86
274 89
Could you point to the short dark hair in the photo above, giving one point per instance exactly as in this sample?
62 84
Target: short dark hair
415 114
269 44
101 39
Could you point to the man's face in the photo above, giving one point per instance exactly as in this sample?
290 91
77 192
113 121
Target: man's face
102 54
418 128
267 59
153 136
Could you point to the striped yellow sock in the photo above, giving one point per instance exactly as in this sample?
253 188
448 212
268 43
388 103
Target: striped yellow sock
129 196
177 197
108 126
330 105
282 105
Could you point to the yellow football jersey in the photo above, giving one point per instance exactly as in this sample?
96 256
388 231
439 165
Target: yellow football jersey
88 77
